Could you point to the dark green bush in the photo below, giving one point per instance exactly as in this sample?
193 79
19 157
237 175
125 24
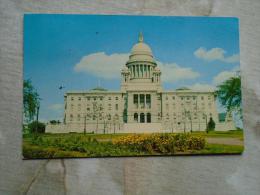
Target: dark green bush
54 122
211 125
36 127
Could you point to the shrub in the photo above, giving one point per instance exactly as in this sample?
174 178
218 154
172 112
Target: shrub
30 151
38 152
36 127
54 122
211 125
161 143
196 143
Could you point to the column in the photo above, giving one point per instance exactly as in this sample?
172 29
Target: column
145 71
144 100
138 100
142 70
138 70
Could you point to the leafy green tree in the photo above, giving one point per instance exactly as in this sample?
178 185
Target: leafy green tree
36 127
30 100
211 125
54 122
229 94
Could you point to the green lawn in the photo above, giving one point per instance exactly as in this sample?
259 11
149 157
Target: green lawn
98 145
221 134
220 149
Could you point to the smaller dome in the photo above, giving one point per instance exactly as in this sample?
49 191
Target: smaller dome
125 69
98 89
157 69
182 89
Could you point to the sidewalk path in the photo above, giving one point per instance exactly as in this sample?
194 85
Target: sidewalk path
226 141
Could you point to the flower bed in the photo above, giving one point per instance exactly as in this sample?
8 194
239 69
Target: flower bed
161 143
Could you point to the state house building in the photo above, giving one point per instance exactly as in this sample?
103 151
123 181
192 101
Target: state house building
141 105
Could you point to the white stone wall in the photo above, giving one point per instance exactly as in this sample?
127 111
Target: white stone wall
83 107
175 111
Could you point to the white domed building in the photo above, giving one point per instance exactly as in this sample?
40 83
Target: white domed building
141 106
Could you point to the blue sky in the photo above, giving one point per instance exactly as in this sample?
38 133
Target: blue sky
69 50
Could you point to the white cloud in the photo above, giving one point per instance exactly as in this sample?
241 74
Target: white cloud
102 65
55 107
108 67
218 79
202 87
173 72
215 54
222 76
232 59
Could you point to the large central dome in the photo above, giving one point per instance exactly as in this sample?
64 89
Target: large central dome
141 52
141 48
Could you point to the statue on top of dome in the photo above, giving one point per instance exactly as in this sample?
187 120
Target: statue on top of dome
140 37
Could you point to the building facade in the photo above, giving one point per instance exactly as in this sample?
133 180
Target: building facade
141 105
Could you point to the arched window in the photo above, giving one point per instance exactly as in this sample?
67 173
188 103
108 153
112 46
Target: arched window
135 117
148 117
142 120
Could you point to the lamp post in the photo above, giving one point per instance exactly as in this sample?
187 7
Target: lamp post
85 118
206 119
37 112
105 123
114 123
37 117
190 122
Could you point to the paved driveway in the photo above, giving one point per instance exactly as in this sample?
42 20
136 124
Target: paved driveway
226 141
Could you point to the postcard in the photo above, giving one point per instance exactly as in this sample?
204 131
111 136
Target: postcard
111 86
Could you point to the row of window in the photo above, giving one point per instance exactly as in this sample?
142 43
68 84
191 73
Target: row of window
88 107
195 105
94 98
185 116
94 117
185 97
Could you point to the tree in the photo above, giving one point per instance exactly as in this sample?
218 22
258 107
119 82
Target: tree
36 127
229 94
211 125
30 100
97 113
54 122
